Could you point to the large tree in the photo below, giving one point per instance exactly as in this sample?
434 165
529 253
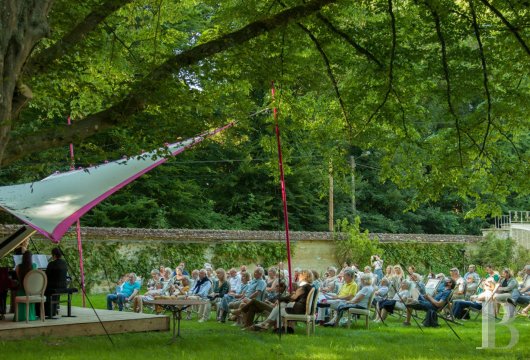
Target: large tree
439 87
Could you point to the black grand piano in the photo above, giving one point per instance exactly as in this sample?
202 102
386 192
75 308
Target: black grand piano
8 277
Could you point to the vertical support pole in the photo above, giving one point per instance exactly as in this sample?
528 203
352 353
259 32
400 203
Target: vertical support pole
284 194
78 228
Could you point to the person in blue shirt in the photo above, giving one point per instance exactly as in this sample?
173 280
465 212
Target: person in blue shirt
428 303
202 286
128 291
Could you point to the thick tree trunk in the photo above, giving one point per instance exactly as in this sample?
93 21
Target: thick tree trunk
139 96
22 24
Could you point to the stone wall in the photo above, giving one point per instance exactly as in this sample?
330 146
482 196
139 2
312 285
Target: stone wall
312 249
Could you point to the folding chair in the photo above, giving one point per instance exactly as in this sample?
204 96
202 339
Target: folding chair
445 314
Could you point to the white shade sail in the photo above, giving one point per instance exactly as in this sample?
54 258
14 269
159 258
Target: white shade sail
53 204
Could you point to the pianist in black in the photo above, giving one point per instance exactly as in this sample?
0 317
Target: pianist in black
57 272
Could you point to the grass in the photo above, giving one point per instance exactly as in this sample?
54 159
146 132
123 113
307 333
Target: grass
222 341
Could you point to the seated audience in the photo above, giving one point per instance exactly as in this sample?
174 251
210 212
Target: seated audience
200 291
472 273
233 295
431 304
382 292
471 287
385 307
522 296
460 307
330 300
460 285
249 310
234 279
128 291
360 301
296 301
330 282
316 279
506 292
220 289
256 290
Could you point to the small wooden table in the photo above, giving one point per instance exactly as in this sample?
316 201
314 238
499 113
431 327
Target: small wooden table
176 307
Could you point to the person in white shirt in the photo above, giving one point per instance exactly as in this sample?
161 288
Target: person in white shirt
460 287
235 280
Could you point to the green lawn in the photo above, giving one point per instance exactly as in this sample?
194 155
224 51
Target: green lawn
223 341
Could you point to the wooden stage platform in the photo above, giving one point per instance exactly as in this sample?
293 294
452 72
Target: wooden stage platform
85 323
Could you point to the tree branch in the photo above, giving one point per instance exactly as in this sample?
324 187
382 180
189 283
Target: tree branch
447 78
42 61
405 128
142 91
329 71
391 65
484 73
512 28
349 40
498 128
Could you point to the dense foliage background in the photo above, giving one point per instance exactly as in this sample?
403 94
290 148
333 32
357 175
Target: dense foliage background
420 109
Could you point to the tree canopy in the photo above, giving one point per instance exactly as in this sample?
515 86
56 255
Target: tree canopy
438 89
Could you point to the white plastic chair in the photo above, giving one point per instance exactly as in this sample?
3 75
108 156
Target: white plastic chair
35 283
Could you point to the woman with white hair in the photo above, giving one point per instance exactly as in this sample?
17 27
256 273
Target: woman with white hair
360 301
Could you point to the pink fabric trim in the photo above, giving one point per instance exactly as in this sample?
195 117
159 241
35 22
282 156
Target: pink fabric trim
64 225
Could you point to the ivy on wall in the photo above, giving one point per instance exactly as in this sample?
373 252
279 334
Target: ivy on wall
425 257
231 254
106 262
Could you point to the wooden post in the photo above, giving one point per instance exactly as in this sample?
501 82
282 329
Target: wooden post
331 215
352 164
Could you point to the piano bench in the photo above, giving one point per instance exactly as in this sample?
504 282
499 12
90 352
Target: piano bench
55 299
